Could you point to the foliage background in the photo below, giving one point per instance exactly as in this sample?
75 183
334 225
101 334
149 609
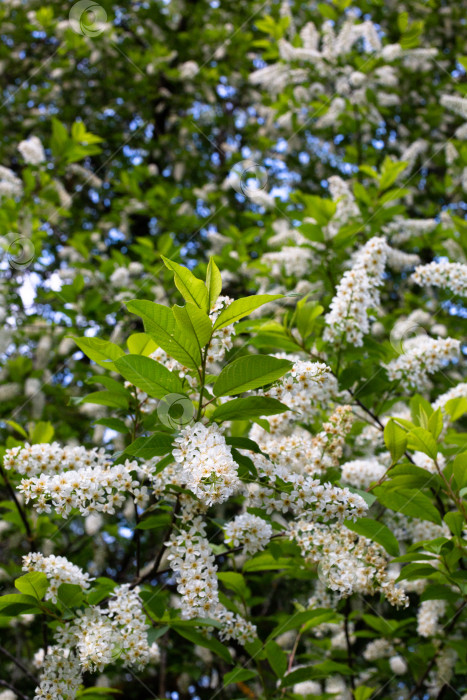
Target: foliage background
151 119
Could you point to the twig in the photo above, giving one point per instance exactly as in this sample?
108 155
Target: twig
18 663
138 542
347 611
15 690
21 512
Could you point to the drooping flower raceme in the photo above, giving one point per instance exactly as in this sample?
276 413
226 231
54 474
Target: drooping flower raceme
32 150
452 276
423 356
99 488
45 458
58 570
94 638
347 562
193 563
360 473
60 675
307 387
249 531
428 616
356 294
457 392
208 468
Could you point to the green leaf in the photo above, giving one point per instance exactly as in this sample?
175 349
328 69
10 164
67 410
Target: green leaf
191 319
141 344
382 625
247 408
97 690
455 522
408 475
309 618
239 675
266 562
305 316
459 469
323 670
17 604
190 287
113 424
249 372
423 441
456 408
435 423
209 642
100 351
243 307
148 375
70 595
213 282
161 326
409 502
17 427
276 657
106 398
363 692
376 531
412 572
147 447
110 384
234 582
154 522
395 439
33 584
243 443
42 432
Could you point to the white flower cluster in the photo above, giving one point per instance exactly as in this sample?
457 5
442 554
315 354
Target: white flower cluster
95 638
221 340
32 150
249 531
304 453
360 473
98 633
423 356
45 458
412 152
397 260
173 366
458 105
400 230
346 206
208 468
457 392
10 184
357 293
428 616
347 562
91 484
442 674
448 275
424 462
60 675
398 665
193 563
307 387
304 495
58 570
378 649
292 260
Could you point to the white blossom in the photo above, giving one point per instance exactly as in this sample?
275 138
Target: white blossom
32 150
